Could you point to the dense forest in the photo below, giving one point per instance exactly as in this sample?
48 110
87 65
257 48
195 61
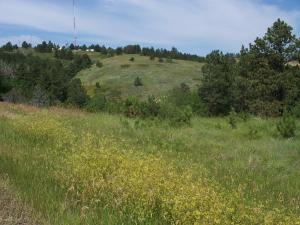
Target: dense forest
263 79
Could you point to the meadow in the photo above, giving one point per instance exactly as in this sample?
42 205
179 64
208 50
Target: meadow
74 167
118 74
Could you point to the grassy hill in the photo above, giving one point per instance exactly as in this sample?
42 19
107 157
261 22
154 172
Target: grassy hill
118 73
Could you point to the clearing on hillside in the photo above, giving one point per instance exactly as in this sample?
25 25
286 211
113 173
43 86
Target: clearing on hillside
118 74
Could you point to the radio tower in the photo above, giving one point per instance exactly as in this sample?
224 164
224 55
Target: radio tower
74 23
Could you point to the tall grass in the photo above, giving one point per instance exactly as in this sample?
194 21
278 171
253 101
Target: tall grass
77 168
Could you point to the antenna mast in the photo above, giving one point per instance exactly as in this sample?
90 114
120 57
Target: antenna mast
74 23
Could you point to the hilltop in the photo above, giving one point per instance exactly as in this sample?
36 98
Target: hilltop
118 72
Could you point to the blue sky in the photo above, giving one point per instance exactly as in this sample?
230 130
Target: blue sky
195 26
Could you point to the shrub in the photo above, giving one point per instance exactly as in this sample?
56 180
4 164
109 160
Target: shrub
14 96
287 125
98 86
232 119
132 59
266 108
97 103
124 66
138 82
152 57
253 133
244 116
132 107
77 95
151 107
181 96
161 60
114 106
169 60
99 64
65 54
296 110
39 97
176 115
183 116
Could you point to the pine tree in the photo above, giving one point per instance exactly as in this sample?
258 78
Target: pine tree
216 90
77 94
267 85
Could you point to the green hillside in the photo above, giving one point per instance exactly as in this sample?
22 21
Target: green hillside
118 73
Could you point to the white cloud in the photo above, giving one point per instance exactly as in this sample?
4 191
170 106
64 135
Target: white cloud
222 24
18 40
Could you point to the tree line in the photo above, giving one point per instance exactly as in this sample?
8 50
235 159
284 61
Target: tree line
65 52
42 82
260 81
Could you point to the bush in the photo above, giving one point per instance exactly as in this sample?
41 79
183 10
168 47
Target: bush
138 82
151 107
161 60
253 133
14 96
98 86
296 110
233 119
181 96
65 54
266 108
124 66
132 59
287 125
177 116
99 64
40 97
183 116
169 60
155 108
114 106
132 107
152 57
244 116
77 95
97 103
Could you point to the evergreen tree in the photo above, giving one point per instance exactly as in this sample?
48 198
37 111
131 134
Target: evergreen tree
119 51
216 90
138 82
26 45
267 83
77 94
8 47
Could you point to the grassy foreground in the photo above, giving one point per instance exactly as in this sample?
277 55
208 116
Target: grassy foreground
79 168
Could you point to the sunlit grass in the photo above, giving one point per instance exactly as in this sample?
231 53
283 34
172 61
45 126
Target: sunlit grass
79 168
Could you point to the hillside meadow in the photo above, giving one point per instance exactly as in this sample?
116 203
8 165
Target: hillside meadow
74 167
118 74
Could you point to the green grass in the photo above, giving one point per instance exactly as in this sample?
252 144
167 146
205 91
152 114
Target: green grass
118 74
50 153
